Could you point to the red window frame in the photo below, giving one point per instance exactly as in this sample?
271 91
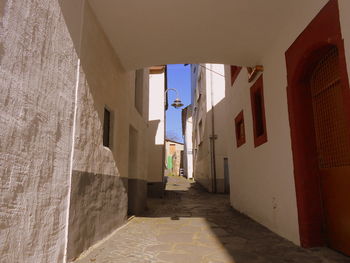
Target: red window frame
235 70
240 129
258 112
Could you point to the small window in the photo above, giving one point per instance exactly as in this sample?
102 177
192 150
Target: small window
240 129
106 128
234 73
258 111
139 90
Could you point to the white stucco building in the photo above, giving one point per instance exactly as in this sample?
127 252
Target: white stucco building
73 128
187 135
209 128
156 130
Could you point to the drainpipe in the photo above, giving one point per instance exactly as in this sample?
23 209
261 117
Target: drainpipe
213 136
165 158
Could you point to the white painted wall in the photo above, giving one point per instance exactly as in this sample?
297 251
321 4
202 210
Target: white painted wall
215 84
156 104
216 87
212 87
50 161
156 128
188 148
38 69
262 178
97 185
200 138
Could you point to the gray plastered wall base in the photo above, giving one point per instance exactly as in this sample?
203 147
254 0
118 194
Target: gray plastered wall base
98 205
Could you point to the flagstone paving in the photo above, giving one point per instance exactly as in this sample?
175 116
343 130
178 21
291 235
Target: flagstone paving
190 225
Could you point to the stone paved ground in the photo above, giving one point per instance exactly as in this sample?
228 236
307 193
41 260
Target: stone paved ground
190 226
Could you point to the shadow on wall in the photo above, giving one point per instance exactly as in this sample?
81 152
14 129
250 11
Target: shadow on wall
97 207
137 188
155 185
202 168
2 7
40 50
98 200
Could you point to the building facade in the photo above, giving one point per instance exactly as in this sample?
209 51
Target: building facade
156 131
174 157
74 125
187 135
287 130
210 164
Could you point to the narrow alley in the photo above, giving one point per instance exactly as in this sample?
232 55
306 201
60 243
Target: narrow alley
192 225
174 131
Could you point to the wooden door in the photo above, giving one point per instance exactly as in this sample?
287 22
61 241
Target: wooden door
333 149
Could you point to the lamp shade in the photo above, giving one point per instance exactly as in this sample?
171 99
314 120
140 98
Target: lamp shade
177 103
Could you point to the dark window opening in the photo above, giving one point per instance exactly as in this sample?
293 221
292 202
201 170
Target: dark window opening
258 114
240 129
106 127
234 73
258 110
139 90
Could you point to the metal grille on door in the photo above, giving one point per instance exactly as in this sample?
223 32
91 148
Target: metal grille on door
332 134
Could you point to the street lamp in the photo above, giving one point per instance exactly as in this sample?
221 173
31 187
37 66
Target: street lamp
177 102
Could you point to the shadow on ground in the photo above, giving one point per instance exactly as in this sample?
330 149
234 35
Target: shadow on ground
244 240
190 225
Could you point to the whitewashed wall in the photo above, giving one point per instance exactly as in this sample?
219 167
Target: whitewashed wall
38 69
156 131
262 178
211 85
61 190
188 147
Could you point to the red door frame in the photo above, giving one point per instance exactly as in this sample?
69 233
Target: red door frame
323 32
